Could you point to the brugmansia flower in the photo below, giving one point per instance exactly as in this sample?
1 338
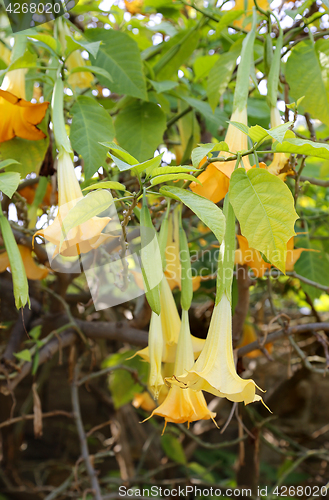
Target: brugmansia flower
170 327
5 54
183 405
215 179
215 184
280 165
18 116
249 336
81 79
155 352
247 7
251 257
214 370
173 264
82 238
293 254
33 272
134 6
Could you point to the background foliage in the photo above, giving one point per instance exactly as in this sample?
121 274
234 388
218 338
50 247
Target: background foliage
162 80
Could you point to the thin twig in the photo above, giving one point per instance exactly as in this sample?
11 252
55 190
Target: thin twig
54 413
82 435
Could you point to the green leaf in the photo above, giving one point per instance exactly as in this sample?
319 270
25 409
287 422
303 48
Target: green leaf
173 448
206 210
72 45
313 266
180 48
202 66
25 355
242 77
9 182
303 147
140 128
28 60
91 125
35 332
28 154
7 163
93 69
91 205
120 153
120 57
274 73
307 80
264 206
48 42
173 177
220 76
123 385
147 165
163 86
20 284
258 133
106 185
203 150
214 119
240 126
227 19
172 170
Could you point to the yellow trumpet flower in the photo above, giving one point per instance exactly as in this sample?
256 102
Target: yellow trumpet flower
251 257
183 405
33 271
215 179
82 238
134 6
155 350
18 116
173 264
214 370
81 79
280 165
241 5
170 327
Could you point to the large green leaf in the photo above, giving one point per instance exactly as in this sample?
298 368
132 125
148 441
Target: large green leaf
140 129
120 57
303 147
219 77
306 79
176 52
20 284
216 120
29 154
123 385
264 206
204 149
9 182
313 266
106 185
173 448
206 210
91 125
173 177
